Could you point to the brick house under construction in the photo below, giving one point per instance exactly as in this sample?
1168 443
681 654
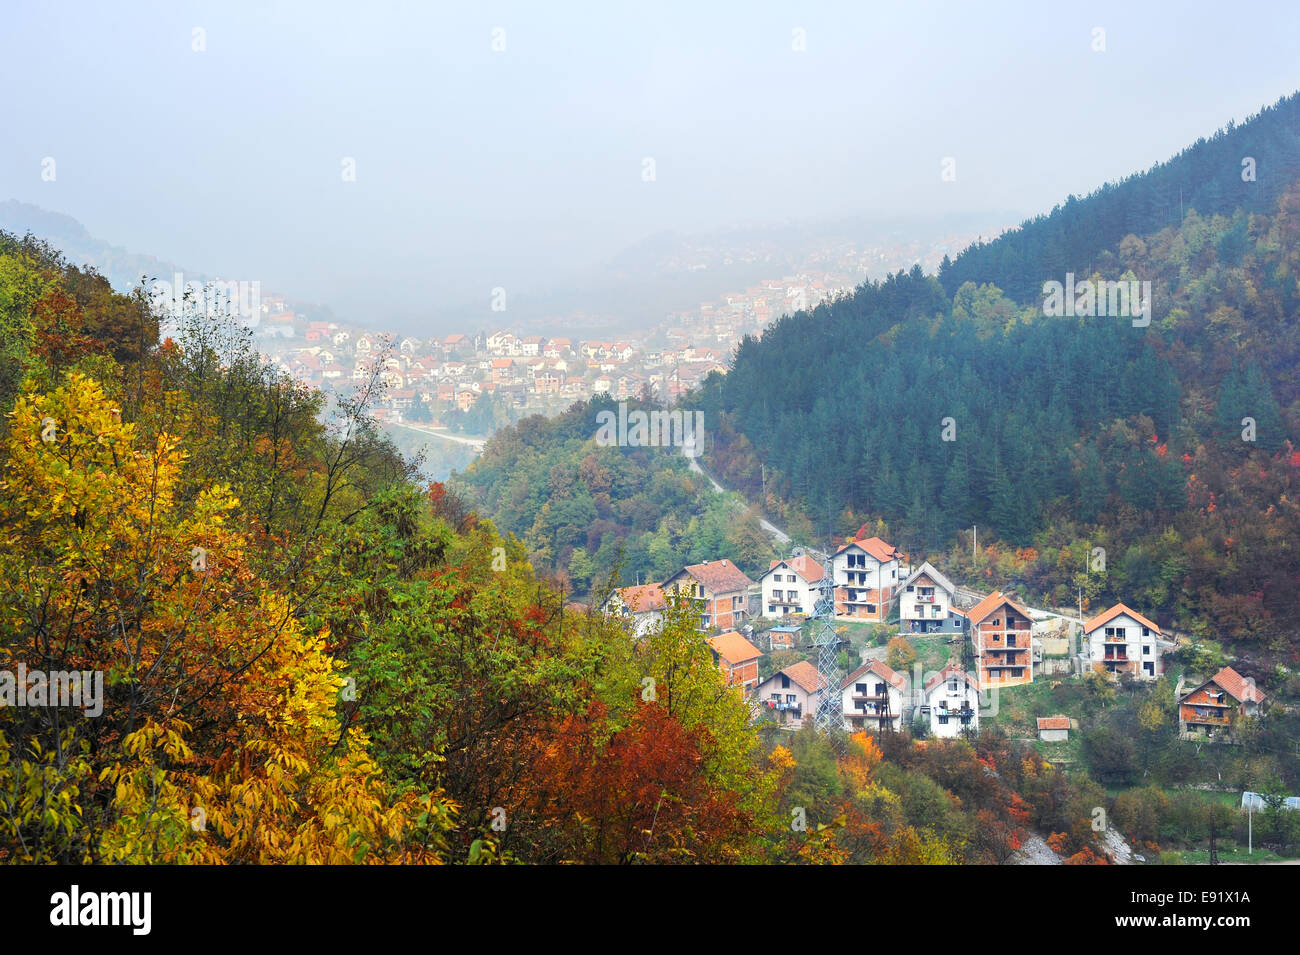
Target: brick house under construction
1000 637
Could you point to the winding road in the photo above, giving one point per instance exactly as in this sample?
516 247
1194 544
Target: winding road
692 461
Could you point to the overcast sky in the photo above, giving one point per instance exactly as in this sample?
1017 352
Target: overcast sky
477 168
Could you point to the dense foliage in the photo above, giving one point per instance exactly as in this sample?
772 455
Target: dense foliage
1054 435
586 510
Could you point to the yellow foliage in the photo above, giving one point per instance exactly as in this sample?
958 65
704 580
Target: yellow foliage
220 740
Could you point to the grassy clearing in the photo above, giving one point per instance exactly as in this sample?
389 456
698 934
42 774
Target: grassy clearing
934 651
1228 852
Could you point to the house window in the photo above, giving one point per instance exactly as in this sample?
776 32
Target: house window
785 682
1146 650
880 689
860 689
952 686
943 719
771 609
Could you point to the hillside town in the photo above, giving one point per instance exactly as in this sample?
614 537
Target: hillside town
760 638
426 379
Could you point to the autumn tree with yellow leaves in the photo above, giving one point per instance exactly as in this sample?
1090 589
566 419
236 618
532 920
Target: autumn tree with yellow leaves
218 739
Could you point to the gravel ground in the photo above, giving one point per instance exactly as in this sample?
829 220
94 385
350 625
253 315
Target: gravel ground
1035 852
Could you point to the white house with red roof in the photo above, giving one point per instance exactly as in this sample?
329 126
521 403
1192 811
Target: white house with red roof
872 698
952 702
643 604
1121 640
790 586
866 573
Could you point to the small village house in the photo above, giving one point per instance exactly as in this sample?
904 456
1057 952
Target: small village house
643 604
789 586
1000 635
737 658
1123 641
719 589
792 694
1216 706
783 637
952 703
872 698
1054 729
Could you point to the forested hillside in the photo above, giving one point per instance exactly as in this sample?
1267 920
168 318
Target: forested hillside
1243 167
1055 435
589 512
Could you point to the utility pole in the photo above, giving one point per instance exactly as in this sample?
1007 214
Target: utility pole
974 543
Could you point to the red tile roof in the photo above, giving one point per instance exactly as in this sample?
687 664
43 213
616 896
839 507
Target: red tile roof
806 675
1236 686
734 648
990 603
1104 618
879 669
804 566
717 576
643 597
1053 723
874 546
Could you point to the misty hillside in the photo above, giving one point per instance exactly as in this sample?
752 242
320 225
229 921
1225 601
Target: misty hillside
1243 167
1067 433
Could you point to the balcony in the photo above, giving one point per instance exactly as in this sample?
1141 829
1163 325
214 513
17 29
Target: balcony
925 598
881 698
1207 719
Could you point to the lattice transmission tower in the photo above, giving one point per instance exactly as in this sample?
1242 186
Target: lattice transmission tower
830 718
